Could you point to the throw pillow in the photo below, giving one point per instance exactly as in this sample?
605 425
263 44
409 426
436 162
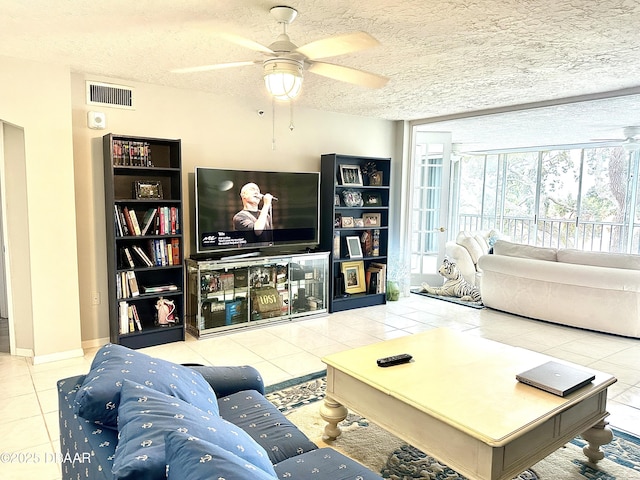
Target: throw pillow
472 246
191 458
99 395
146 416
508 249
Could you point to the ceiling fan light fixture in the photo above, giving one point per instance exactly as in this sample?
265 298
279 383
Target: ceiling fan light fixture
283 78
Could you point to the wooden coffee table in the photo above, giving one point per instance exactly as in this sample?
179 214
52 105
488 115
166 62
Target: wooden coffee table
459 401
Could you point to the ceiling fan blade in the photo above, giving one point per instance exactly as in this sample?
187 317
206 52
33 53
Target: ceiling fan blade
349 75
338 45
245 42
218 66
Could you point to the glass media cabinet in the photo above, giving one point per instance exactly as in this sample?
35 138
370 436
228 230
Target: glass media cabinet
235 293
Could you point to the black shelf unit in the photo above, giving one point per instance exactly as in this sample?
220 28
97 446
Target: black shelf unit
157 163
332 186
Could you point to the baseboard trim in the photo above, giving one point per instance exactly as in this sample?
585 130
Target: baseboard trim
96 342
54 357
23 352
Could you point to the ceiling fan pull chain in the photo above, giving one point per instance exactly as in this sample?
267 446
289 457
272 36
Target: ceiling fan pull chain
291 125
273 123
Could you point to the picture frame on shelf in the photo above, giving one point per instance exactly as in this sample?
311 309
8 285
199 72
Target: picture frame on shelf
354 247
375 178
145 189
336 200
372 199
353 274
347 222
350 175
337 221
371 219
358 222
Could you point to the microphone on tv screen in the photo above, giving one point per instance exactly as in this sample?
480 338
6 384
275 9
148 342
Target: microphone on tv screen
275 199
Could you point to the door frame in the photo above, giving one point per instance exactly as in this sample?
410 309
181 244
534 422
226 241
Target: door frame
407 199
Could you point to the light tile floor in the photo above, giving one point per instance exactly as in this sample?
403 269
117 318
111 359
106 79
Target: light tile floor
28 403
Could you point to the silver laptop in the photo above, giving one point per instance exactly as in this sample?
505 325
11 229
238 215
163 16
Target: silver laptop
556 378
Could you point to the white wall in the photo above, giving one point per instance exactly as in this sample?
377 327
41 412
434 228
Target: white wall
215 130
44 259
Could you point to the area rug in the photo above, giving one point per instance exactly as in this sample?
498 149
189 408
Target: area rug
392 458
478 305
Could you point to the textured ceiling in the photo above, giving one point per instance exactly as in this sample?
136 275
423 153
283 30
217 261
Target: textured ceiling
444 58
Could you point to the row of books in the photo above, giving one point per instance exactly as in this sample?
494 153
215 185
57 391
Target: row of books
155 221
376 278
130 152
129 320
160 252
127 286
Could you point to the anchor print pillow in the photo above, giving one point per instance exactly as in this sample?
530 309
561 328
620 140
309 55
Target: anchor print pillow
145 418
99 396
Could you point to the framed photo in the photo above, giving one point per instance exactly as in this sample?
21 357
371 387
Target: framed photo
347 222
372 199
353 273
371 219
358 222
375 178
336 200
354 248
337 221
146 189
351 175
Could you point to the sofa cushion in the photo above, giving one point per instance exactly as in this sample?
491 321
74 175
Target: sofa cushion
508 249
146 416
99 395
599 259
265 424
191 458
323 463
466 240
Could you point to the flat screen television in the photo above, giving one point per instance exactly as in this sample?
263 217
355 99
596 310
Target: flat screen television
225 204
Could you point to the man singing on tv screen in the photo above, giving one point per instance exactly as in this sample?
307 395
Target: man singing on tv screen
252 218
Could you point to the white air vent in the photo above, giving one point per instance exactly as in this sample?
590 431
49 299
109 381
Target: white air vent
109 95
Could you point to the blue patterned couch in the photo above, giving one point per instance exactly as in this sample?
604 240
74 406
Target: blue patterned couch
136 417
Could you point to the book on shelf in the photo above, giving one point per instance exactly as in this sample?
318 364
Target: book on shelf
131 153
127 221
149 220
142 255
376 277
175 250
132 326
169 253
160 288
136 318
123 317
122 228
128 258
134 222
134 291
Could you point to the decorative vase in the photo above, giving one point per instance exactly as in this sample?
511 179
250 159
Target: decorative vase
393 291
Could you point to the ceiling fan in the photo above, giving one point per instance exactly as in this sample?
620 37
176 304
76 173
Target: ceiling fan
631 140
285 61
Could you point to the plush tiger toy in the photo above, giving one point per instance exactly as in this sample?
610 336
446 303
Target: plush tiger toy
454 285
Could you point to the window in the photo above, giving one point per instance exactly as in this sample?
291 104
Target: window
584 198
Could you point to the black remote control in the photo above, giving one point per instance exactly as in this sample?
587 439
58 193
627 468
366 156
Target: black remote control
394 360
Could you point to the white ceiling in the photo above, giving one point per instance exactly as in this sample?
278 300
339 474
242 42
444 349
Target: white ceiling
444 58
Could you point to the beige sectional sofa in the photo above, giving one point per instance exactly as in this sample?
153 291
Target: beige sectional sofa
592 290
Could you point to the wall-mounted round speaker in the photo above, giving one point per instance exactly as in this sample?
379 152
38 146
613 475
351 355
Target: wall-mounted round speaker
96 120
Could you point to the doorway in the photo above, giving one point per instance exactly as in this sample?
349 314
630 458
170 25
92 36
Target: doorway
428 204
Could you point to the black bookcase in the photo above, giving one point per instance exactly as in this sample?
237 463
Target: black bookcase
350 190
143 182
